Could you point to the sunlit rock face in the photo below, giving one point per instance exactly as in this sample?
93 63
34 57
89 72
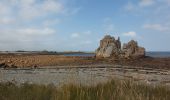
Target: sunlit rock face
131 49
110 47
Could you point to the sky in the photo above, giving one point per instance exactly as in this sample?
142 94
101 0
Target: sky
79 25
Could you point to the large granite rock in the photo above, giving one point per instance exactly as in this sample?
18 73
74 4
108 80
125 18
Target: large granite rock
131 49
110 47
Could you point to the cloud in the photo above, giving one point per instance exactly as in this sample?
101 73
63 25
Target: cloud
34 31
157 27
6 20
88 32
30 23
75 35
168 1
32 9
50 22
109 28
144 3
26 38
87 42
26 33
81 34
4 9
139 5
53 6
130 34
129 6
156 15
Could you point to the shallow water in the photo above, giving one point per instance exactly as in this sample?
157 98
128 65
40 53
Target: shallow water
85 76
151 54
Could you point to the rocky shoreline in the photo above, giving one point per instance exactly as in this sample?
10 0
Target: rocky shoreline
83 74
34 61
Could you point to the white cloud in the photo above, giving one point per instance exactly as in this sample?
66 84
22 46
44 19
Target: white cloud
53 6
157 27
26 38
81 34
109 27
28 23
30 10
4 9
50 22
26 32
144 3
129 6
75 35
87 42
6 20
139 5
34 31
88 32
130 34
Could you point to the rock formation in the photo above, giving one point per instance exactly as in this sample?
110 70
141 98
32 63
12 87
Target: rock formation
131 49
110 47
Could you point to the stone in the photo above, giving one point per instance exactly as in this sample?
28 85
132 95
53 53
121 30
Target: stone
110 47
35 66
131 49
3 65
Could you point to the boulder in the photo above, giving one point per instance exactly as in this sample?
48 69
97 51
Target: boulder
3 65
131 49
110 47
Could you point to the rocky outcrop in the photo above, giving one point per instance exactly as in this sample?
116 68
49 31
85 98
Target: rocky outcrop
131 49
3 65
110 47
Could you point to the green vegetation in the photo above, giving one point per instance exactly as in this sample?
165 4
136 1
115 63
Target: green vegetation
113 90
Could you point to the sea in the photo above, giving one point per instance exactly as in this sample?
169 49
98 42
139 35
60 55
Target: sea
150 54
160 54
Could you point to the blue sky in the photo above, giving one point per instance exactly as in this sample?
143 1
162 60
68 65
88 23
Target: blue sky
69 25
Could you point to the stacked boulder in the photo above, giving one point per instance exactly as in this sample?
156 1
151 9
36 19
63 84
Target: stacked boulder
110 47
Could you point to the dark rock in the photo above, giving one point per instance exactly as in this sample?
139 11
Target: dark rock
35 66
3 65
13 66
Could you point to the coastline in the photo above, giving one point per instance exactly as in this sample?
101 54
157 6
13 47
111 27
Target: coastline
37 60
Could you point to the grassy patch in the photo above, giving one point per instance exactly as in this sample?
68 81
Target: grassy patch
113 90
